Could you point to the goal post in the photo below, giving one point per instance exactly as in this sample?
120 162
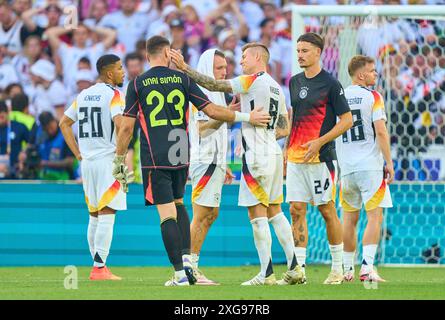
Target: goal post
408 44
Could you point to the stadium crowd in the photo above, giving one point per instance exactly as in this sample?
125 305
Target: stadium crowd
47 57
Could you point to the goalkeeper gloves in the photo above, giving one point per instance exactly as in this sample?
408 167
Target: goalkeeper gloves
121 173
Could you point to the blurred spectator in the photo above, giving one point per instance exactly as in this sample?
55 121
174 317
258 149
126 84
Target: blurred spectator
56 159
194 27
7 72
88 9
97 10
228 41
84 64
49 93
52 13
20 111
22 62
10 26
161 25
203 7
134 66
12 90
267 37
284 41
231 64
129 24
82 47
230 10
13 136
178 42
253 14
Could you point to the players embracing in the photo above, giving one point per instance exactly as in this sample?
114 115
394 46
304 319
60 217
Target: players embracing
261 186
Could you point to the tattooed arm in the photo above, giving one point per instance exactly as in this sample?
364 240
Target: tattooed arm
207 82
283 129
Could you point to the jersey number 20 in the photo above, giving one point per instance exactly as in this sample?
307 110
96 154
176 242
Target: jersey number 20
179 106
95 119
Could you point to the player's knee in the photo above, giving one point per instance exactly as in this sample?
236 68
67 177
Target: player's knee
297 211
328 212
211 217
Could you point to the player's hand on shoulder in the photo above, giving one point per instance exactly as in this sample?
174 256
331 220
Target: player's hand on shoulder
178 59
259 118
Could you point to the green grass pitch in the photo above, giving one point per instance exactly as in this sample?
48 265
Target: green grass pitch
147 283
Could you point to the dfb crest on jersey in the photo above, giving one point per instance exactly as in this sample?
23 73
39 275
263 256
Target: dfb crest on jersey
303 92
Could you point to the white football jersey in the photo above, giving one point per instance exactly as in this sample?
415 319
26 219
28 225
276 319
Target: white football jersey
357 148
95 109
209 149
260 90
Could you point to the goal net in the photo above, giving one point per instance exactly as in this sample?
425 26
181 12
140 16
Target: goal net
408 44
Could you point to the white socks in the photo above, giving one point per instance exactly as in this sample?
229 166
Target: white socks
92 226
195 260
283 231
102 239
337 257
180 274
300 253
263 242
348 260
368 256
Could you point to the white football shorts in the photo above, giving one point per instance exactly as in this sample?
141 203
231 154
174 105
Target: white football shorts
207 184
100 187
261 181
366 188
313 183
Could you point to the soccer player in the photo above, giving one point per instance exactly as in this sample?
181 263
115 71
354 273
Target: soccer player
160 98
208 168
362 154
261 188
99 109
317 99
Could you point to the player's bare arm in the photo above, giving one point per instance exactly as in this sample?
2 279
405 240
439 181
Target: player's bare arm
65 125
314 146
124 128
208 127
283 128
257 116
207 82
382 138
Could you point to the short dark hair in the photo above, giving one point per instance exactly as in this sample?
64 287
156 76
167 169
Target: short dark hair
8 89
265 21
85 60
358 62
45 118
3 106
155 45
105 61
19 102
312 38
133 56
220 54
